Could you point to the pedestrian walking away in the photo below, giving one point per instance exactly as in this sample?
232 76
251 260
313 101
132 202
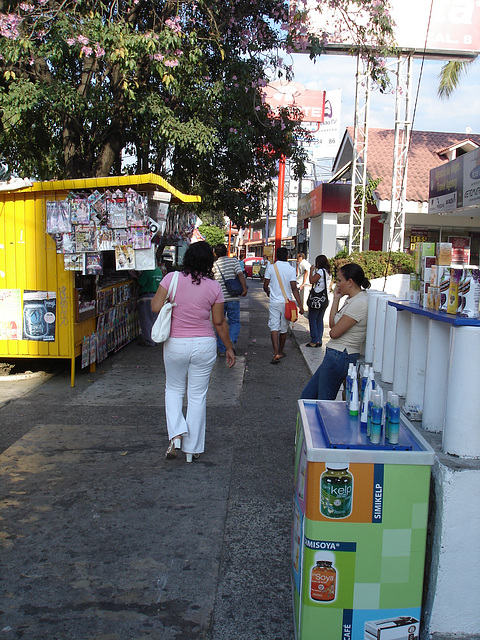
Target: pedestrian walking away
277 322
348 329
190 351
320 279
303 283
224 269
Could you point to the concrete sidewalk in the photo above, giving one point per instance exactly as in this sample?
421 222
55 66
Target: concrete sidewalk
103 539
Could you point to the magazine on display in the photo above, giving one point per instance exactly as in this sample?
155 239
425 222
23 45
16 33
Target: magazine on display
73 261
85 239
79 211
124 257
93 264
105 239
58 216
145 259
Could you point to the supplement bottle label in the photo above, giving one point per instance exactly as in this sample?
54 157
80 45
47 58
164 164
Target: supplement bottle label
322 586
336 494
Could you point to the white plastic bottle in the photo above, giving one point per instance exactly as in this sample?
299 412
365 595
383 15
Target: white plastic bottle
394 421
366 400
376 418
354 404
348 384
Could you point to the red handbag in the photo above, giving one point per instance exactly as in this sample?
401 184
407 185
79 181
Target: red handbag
291 311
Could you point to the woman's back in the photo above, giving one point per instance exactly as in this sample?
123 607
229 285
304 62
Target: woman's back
193 305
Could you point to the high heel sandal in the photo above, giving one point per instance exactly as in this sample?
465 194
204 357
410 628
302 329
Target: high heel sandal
171 452
190 457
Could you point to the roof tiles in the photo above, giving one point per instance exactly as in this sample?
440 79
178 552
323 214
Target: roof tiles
427 149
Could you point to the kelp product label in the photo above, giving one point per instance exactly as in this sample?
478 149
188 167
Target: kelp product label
336 491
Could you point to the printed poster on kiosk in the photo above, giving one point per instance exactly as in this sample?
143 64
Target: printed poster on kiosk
10 314
39 315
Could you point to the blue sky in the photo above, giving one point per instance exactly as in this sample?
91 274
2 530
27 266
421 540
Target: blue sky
455 114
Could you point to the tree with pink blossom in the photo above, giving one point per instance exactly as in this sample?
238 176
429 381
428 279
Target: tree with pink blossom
175 85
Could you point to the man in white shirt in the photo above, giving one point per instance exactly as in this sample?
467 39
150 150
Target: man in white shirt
303 282
277 322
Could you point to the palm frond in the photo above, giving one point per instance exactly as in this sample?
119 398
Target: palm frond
450 75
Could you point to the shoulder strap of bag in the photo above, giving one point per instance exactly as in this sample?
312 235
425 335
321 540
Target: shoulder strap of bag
223 277
280 282
172 289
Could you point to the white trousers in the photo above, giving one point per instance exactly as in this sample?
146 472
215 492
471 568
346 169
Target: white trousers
188 365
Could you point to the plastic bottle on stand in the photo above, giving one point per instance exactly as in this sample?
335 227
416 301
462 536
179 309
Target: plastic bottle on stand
365 372
348 384
388 404
371 375
354 404
376 418
394 421
366 400
379 390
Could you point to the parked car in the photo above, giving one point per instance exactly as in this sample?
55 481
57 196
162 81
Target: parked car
249 262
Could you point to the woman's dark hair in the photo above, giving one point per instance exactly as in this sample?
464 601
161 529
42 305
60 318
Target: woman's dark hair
198 261
321 262
355 272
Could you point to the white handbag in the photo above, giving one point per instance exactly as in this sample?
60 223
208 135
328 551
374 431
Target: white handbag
161 326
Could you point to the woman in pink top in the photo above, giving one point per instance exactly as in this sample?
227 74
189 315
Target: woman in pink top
191 350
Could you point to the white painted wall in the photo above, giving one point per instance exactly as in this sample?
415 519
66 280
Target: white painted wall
399 285
323 236
453 599
452 579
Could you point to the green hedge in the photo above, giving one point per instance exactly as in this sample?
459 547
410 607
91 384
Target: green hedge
376 264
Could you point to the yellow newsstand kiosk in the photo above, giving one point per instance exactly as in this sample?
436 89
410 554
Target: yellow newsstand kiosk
32 272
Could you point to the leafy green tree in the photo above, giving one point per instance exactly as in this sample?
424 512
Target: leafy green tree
213 235
174 84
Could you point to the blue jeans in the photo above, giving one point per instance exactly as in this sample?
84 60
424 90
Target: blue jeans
232 310
328 378
315 321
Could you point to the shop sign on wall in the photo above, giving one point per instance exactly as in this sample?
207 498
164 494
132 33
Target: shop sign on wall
455 185
418 235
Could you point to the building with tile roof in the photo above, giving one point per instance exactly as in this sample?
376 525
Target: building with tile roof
428 150
326 209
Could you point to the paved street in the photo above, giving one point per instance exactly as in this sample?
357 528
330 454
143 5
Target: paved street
104 539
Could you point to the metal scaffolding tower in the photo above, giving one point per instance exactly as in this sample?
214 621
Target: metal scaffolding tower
403 125
359 159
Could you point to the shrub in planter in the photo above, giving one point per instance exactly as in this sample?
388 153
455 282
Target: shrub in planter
376 264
